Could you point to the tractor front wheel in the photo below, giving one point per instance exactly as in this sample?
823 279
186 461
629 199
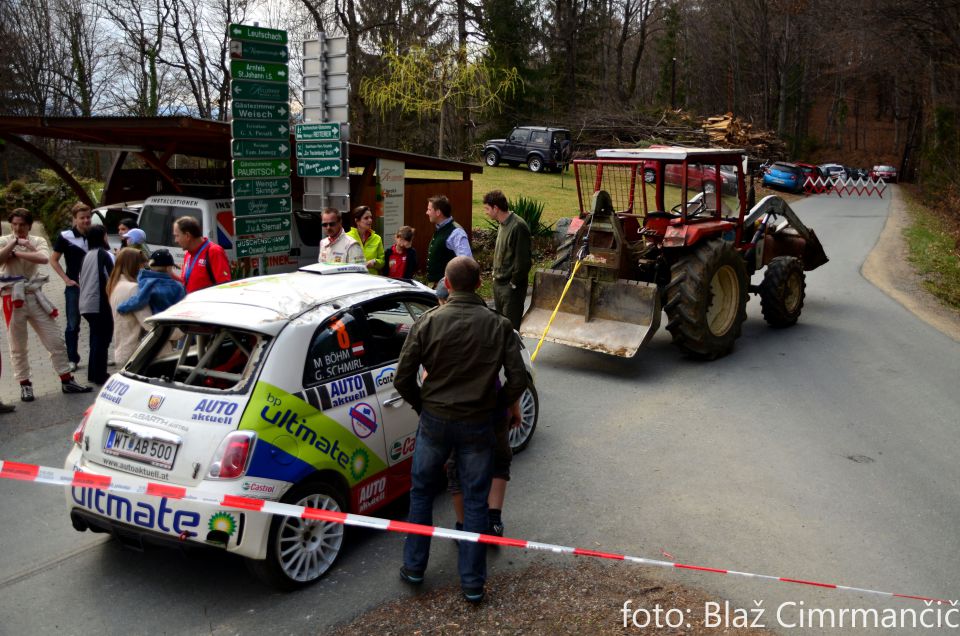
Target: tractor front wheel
782 291
707 300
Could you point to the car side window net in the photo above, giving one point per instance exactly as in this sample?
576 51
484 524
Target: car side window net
203 356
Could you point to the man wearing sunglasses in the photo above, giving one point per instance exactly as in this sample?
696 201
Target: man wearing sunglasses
338 247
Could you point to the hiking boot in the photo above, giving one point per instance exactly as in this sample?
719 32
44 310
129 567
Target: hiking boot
411 577
26 393
72 386
7 408
472 594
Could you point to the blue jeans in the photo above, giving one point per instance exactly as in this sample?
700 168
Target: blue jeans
473 444
72 334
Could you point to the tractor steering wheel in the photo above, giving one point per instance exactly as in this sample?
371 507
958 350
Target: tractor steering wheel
700 206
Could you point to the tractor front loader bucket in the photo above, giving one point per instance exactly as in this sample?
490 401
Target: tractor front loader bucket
616 317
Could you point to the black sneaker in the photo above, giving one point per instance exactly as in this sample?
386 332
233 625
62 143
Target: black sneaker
496 529
71 386
26 393
473 594
411 577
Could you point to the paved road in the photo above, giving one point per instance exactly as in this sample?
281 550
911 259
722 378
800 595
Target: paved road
826 451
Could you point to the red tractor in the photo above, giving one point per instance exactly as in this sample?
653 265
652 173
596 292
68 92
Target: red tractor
631 255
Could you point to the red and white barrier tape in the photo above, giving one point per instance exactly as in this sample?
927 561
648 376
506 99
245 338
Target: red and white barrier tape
60 477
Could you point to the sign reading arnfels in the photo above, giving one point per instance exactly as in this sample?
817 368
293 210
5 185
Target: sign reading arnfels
261 140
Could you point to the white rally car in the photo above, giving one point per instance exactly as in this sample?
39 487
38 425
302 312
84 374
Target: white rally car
277 387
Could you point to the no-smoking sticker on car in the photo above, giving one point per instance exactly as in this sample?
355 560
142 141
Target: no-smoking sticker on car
364 420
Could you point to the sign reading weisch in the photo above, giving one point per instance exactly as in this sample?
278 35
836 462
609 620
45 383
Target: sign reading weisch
261 141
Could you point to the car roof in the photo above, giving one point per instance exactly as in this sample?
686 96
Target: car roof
547 128
266 304
674 153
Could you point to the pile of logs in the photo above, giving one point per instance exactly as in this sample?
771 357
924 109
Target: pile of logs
732 132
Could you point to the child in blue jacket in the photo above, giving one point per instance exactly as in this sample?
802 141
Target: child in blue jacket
155 286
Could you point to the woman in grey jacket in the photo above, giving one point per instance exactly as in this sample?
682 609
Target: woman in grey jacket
95 302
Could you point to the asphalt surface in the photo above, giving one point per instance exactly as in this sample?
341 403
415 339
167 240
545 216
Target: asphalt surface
825 452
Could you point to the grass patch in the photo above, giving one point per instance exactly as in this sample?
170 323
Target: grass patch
933 251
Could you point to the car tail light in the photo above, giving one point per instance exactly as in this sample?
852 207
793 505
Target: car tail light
231 459
78 432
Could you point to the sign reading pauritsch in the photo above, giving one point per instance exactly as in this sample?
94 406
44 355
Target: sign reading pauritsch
260 146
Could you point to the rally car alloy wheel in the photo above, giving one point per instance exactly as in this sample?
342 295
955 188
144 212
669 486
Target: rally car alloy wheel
300 551
521 434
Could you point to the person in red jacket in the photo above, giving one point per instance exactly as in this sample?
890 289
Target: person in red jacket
205 264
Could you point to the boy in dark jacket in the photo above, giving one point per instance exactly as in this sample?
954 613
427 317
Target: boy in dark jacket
156 286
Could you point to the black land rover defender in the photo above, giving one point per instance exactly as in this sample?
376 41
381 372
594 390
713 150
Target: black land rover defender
542 149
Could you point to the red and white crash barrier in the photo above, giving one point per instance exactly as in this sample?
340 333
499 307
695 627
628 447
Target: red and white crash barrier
59 477
839 186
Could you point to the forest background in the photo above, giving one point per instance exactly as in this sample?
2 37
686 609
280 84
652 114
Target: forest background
875 81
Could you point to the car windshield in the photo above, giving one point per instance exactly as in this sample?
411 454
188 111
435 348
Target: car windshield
205 356
157 221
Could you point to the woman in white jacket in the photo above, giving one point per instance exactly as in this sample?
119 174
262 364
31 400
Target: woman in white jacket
129 328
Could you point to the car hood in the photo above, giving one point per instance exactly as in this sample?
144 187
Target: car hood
494 141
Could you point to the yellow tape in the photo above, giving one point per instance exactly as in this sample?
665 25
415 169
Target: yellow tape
576 266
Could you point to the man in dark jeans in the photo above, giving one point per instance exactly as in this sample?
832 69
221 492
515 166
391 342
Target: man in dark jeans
457 404
72 245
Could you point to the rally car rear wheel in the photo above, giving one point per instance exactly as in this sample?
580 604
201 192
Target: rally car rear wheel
301 551
521 434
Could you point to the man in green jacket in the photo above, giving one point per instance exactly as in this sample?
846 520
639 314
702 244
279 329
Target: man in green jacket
461 345
511 257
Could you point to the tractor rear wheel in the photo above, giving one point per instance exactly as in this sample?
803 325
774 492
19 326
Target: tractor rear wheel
782 291
707 300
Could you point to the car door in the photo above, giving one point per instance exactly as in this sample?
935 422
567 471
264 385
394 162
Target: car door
388 322
516 147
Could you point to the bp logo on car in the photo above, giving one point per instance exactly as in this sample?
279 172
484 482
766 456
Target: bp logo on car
358 463
223 522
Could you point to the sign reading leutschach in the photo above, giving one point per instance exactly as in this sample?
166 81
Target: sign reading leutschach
261 140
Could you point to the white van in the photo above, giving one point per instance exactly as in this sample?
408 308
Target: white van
216 218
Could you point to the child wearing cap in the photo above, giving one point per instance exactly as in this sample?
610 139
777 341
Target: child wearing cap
156 286
137 238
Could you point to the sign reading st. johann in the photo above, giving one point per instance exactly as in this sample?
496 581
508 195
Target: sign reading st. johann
258 71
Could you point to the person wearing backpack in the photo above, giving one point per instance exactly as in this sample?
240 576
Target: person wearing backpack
205 264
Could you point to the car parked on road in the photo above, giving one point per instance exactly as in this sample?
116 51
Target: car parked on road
887 173
834 170
277 388
541 148
813 177
785 176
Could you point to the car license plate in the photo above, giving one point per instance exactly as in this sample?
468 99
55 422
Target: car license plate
156 452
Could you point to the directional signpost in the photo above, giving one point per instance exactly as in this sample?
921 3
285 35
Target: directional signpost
259 86
319 150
